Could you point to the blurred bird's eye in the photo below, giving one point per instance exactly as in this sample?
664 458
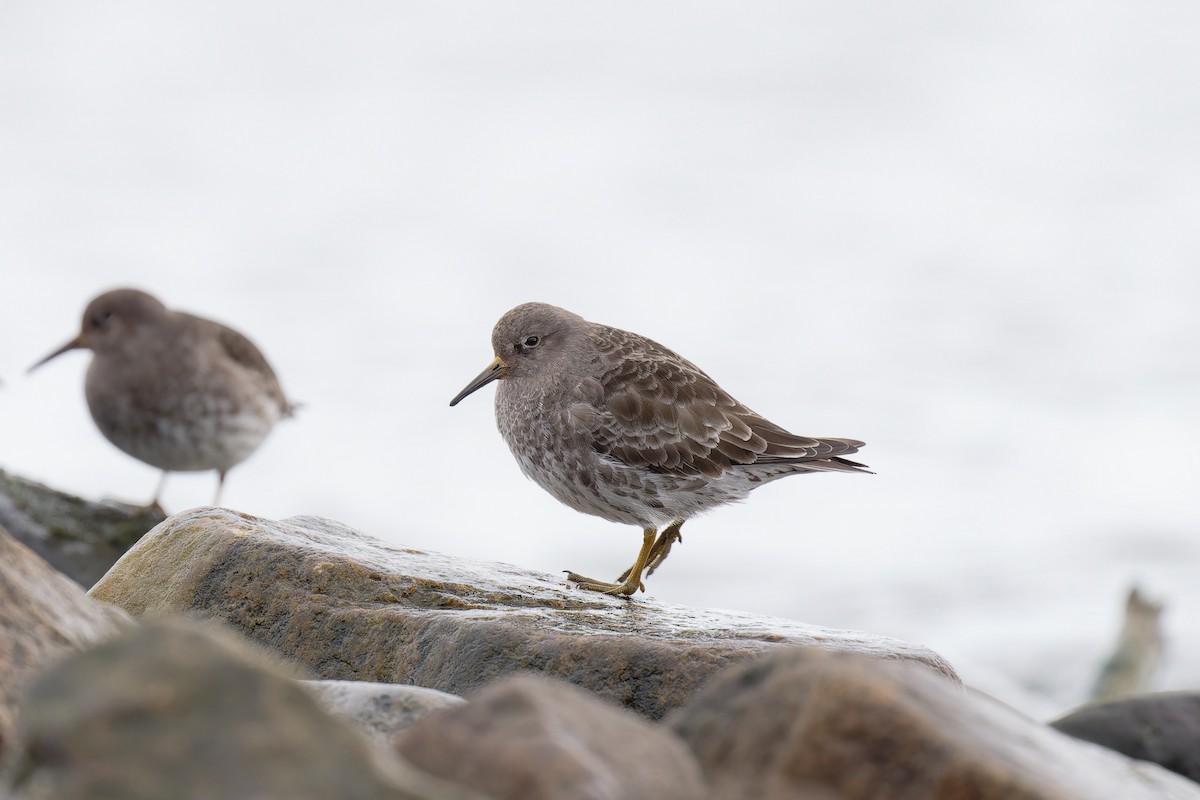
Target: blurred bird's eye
532 341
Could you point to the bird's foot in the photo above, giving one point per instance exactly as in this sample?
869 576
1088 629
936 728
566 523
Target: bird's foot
628 583
663 547
625 587
659 551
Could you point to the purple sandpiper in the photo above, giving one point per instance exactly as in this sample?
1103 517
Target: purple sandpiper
179 392
616 425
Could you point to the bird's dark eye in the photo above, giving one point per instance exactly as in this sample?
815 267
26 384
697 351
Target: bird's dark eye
532 341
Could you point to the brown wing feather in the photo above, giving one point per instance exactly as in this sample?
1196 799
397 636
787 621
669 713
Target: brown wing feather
244 352
661 412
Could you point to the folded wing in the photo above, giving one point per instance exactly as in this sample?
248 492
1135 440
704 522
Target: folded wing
661 412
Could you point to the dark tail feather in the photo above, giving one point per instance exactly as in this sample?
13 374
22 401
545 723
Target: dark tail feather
833 465
853 466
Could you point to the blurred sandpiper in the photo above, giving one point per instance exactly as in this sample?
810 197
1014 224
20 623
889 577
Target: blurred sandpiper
616 425
177 391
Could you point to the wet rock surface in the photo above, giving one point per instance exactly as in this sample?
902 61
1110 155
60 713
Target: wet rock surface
801 723
527 737
176 709
80 538
351 607
763 708
1163 728
380 710
43 615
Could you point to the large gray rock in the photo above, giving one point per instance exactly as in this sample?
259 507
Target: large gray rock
803 723
1163 728
43 615
527 737
381 710
183 711
350 607
79 538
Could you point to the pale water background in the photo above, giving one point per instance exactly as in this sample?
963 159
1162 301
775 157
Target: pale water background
968 234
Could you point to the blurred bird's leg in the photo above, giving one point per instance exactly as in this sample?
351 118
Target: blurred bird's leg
662 547
658 553
220 486
158 492
633 581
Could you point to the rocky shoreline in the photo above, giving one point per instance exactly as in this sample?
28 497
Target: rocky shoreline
230 656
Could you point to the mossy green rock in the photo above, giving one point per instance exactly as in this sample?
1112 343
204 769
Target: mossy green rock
80 538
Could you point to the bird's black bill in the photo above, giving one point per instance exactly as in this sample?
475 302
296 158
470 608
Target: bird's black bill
494 370
74 344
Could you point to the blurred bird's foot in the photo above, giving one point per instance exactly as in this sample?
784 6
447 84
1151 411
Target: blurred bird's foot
660 549
630 582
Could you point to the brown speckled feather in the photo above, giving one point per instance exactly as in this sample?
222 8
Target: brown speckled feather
244 352
613 424
661 412
177 391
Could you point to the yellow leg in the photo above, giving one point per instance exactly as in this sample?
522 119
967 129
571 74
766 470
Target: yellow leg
658 553
633 581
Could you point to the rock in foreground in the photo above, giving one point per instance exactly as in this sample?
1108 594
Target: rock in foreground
803 723
1163 728
531 738
183 711
380 710
350 607
43 615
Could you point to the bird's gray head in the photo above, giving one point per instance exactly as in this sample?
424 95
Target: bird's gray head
531 339
110 320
